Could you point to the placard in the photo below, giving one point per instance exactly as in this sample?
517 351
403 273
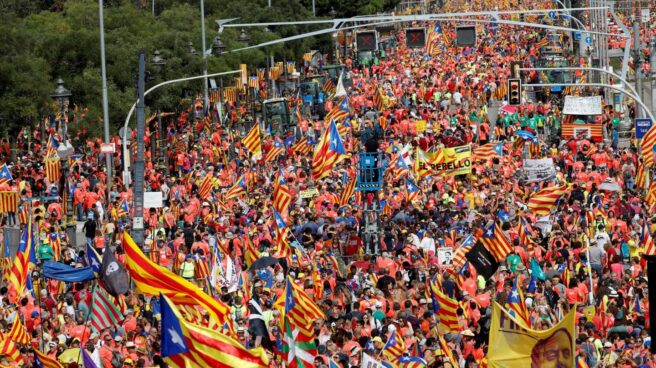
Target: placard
421 126
308 193
152 200
445 257
539 170
641 127
577 105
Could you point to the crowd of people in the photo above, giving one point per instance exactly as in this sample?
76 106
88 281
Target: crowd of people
588 248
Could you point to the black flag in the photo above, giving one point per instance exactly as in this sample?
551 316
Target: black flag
482 260
256 324
113 275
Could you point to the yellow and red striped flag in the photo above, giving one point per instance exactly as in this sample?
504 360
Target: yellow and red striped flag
8 202
9 349
153 279
251 254
641 177
299 308
647 146
206 186
328 153
282 197
646 240
18 333
496 242
545 199
236 190
348 192
20 268
447 312
189 345
44 361
275 151
394 347
53 169
252 141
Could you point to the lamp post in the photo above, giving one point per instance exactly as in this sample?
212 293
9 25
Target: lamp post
158 63
62 96
192 49
652 70
243 37
64 151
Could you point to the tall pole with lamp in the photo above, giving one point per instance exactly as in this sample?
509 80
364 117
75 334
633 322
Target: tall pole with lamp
65 150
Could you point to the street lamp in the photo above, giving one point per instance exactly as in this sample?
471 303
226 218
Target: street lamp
62 96
157 61
243 37
267 30
64 151
332 13
192 49
218 46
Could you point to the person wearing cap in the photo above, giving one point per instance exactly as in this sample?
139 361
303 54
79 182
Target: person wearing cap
608 356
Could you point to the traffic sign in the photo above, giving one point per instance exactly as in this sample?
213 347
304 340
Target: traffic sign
577 36
552 14
588 40
107 148
641 127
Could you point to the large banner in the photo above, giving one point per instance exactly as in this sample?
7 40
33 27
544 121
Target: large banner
539 170
513 345
450 161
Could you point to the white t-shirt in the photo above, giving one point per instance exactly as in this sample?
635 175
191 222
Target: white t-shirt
427 244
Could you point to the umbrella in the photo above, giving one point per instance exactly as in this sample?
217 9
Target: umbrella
509 109
263 262
610 186
70 355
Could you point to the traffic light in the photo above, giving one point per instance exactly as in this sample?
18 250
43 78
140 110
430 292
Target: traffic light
514 69
415 37
466 36
514 92
366 41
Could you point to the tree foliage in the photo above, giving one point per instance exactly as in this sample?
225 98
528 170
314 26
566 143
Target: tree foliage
48 39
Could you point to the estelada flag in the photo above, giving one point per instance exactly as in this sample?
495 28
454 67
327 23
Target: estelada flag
189 345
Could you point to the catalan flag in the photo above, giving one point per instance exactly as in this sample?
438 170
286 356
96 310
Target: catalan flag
304 146
545 199
24 254
206 186
282 197
447 312
329 86
542 43
339 113
18 333
348 192
411 362
379 99
5 175
53 169
236 190
496 242
300 310
252 141
459 257
447 352
525 234
647 146
411 191
9 349
153 279
8 202
329 152
42 360
488 150
251 254
516 305
123 209
394 347
641 177
275 151
282 236
646 240
188 345
51 146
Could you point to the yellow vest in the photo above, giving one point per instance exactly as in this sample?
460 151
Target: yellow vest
187 270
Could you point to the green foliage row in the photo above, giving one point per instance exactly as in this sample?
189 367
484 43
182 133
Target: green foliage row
47 39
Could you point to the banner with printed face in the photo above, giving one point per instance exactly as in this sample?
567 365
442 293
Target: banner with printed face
513 345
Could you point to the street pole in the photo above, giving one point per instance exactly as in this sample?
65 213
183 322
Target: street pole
137 220
202 31
636 62
105 103
652 69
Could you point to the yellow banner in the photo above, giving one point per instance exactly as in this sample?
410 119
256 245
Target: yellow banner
421 126
512 345
450 161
